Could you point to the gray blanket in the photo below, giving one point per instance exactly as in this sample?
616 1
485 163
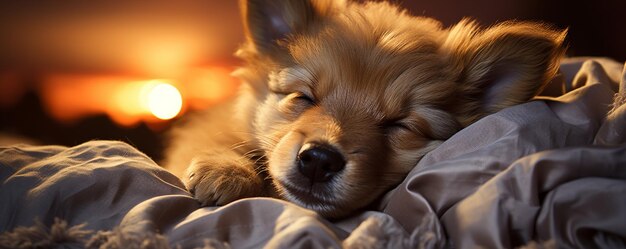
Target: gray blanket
551 172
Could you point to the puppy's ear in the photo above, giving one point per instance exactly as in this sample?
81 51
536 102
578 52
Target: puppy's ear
266 22
501 66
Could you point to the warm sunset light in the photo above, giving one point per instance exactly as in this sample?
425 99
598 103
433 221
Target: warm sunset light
129 100
163 100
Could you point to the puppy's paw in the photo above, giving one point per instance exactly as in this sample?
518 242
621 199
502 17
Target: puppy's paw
219 181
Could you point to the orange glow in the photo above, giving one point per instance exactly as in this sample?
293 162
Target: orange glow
205 86
162 40
131 100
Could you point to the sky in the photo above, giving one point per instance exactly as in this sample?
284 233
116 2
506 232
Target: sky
155 38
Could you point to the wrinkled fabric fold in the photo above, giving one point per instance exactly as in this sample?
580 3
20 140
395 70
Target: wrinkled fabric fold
94 183
502 213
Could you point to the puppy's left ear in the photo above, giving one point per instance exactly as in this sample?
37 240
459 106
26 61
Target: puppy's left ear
501 66
267 22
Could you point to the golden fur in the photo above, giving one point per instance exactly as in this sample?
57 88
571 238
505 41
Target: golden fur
379 86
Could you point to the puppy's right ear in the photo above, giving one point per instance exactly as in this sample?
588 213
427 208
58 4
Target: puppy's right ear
501 66
268 21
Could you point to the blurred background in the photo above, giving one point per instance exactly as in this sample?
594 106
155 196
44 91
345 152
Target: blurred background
75 70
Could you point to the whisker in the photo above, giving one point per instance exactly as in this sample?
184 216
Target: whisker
253 152
239 145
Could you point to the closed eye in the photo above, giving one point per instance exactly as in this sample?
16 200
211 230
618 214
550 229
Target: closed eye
305 98
395 125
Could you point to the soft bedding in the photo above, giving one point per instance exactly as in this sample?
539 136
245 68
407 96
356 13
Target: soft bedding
551 172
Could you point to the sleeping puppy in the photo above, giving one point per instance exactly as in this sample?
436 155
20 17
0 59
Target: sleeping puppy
341 99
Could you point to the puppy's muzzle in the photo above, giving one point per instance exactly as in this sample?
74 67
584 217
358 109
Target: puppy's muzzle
319 162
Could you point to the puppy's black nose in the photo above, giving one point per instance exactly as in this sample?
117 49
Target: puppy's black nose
319 162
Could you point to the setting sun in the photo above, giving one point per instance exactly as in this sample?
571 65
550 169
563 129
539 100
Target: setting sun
163 100
129 100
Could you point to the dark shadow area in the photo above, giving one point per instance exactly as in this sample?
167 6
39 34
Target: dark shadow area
27 119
